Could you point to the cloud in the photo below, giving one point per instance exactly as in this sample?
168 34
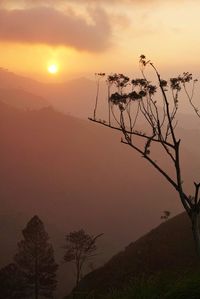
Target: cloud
96 2
44 25
133 2
56 3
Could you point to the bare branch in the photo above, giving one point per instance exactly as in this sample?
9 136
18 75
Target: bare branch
136 133
190 98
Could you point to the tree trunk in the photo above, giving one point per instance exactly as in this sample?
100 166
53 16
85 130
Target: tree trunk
36 291
196 230
36 276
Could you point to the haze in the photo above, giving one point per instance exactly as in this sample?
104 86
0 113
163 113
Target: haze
71 172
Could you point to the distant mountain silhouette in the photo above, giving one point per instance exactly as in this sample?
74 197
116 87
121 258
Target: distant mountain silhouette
169 247
22 99
74 97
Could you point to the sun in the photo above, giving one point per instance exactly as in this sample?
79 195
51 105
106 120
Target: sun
53 69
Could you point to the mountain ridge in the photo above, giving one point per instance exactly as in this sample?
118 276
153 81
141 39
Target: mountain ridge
71 174
76 175
166 248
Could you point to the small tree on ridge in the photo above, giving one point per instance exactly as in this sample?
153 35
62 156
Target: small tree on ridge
80 247
35 258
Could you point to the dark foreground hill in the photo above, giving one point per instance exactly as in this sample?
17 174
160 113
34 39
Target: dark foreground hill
167 248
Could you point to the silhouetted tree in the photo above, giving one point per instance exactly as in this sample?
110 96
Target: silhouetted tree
146 114
35 258
12 283
80 247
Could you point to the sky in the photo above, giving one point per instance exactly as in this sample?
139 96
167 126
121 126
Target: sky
86 36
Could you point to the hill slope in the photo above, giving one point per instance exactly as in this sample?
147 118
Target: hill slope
22 99
169 247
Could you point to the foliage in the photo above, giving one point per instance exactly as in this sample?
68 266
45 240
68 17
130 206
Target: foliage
188 287
35 258
80 247
162 286
12 283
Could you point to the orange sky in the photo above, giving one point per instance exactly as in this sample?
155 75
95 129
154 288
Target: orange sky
84 37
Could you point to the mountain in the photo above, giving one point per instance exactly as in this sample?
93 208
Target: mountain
76 97
22 99
167 248
74 174
73 97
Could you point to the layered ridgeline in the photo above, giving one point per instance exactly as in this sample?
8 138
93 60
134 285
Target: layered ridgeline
74 97
78 175
22 99
74 175
166 250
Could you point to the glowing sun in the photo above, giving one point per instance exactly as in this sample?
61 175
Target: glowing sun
53 69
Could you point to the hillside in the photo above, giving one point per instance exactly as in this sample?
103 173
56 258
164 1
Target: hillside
71 173
169 247
21 99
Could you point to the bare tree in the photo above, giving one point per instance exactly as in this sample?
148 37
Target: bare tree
146 114
80 247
